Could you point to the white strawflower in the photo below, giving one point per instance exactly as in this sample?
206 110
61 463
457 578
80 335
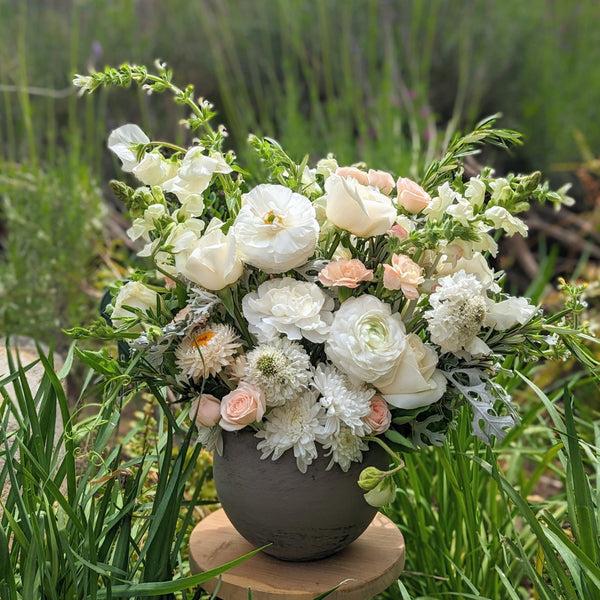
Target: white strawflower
122 142
281 369
458 310
276 228
286 306
294 425
502 219
344 403
344 448
365 339
204 352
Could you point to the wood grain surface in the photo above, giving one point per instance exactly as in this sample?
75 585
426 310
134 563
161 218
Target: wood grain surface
364 569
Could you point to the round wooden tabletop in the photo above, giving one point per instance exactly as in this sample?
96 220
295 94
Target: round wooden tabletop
364 569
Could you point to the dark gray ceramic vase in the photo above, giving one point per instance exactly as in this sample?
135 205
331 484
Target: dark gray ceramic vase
304 516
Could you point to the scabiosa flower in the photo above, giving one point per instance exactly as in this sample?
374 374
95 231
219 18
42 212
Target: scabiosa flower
344 448
296 425
458 310
281 369
344 403
204 352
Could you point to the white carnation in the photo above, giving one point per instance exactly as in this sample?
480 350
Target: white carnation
365 339
344 403
293 308
276 228
344 448
294 425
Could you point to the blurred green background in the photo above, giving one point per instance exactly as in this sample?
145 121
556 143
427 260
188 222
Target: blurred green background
383 81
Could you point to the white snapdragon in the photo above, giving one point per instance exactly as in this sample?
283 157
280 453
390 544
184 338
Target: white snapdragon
475 192
508 313
133 295
276 228
501 218
439 204
123 140
286 306
142 226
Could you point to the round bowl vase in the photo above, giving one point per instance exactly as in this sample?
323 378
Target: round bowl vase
304 516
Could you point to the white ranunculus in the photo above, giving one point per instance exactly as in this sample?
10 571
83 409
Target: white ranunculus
286 306
501 218
122 142
154 169
507 313
276 228
360 209
212 261
414 382
193 177
135 295
366 339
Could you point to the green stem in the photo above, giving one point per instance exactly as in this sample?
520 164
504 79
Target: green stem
394 455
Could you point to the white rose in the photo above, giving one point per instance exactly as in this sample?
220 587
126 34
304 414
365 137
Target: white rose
154 169
135 295
193 177
276 228
366 339
414 381
293 308
212 261
360 209
507 313
122 142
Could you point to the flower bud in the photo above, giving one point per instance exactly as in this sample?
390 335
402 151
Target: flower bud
383 494
370 478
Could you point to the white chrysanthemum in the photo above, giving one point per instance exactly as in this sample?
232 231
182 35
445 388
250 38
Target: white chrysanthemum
458 310
276 228
211 438
344 448
281 369
203 353
344 403
286 306
294 425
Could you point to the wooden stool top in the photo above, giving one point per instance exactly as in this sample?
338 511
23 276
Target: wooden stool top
367 567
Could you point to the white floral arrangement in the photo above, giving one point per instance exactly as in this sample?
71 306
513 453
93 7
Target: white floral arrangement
324 308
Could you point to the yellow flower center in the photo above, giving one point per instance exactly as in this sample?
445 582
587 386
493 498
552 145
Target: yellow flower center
271 218
204 338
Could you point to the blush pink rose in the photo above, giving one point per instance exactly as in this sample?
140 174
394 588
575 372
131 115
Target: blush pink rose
243 406
411 195
381 180
353 172
380 417
403 274
206 410
398 231
345 273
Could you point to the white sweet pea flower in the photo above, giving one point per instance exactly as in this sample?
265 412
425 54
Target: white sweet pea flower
503 219
508 313
475 192
142 226
212 261
286 306
276 228
122 142
438 206
135 295
154 169
414 381
180 239
366 339
360 209
193 177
